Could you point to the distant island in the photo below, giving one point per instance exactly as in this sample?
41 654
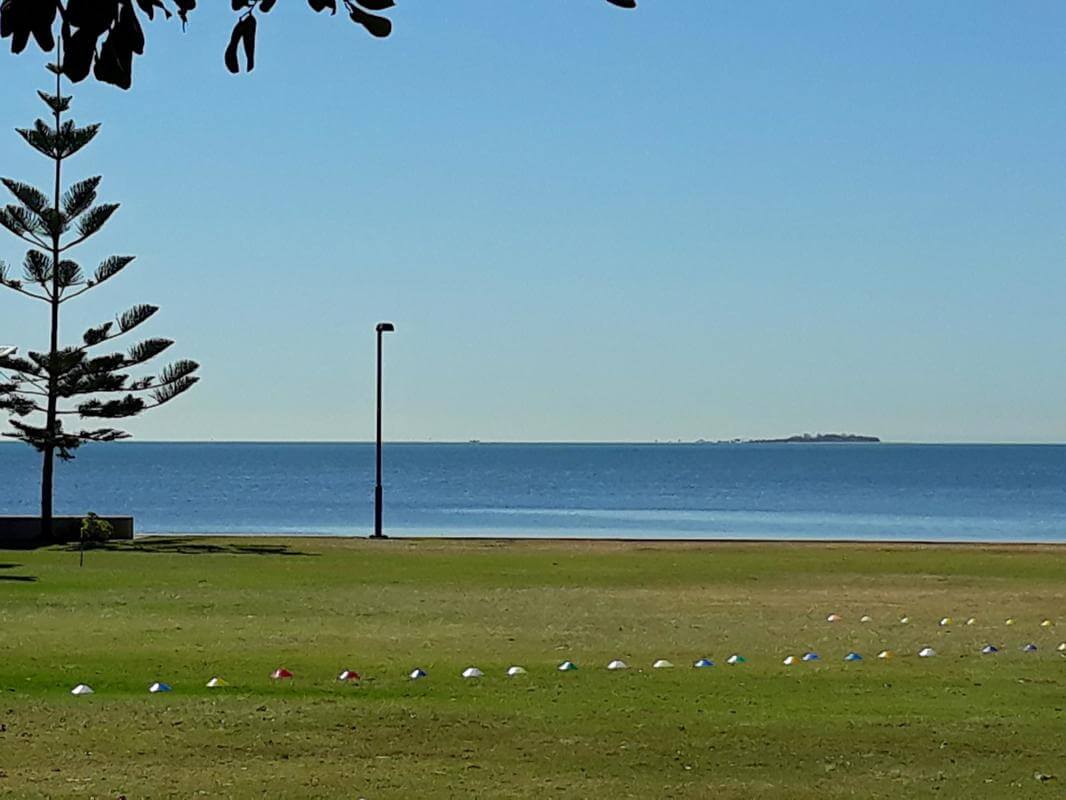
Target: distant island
819 438
806 438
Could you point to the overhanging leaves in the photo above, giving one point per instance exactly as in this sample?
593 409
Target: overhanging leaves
102 37
19 19
375 25
243 35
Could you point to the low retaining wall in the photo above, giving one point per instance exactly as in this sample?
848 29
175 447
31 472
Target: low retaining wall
26 531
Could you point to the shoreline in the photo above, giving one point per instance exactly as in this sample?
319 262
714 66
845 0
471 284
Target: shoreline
640 543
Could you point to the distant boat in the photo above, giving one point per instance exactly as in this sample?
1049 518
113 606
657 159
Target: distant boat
474 441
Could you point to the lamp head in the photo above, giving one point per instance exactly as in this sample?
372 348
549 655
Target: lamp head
385 327
7 351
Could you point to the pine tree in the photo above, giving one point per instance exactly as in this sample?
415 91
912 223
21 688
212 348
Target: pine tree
74 381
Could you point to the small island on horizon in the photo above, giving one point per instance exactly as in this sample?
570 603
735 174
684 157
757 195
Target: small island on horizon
805 438
819 438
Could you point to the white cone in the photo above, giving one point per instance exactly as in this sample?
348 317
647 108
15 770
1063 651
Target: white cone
971 621
215 683
833 618
81 688
904 620
1009 621
927 652
473 672
1046 623
1062 647
885 654
866 618
616 664
515 670
945 621
662 663
789 661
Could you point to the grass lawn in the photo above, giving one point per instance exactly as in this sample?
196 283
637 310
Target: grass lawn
182 610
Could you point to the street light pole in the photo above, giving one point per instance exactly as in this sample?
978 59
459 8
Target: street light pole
383 327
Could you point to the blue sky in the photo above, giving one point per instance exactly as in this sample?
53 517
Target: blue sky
698 219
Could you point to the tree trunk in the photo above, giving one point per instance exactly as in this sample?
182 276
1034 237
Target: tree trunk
46 494
48 469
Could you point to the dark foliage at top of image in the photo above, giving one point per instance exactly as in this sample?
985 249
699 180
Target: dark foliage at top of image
103 36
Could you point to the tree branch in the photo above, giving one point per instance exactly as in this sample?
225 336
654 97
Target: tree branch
28 294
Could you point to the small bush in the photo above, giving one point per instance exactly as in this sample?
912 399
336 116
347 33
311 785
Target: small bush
95 530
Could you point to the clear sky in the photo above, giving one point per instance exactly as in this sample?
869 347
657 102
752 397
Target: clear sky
699 219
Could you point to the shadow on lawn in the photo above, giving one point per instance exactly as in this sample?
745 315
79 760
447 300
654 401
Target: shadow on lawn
16 578
189 545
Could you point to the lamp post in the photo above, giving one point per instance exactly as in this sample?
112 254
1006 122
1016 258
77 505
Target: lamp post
383 327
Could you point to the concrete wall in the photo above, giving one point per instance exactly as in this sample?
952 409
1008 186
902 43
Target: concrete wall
26 531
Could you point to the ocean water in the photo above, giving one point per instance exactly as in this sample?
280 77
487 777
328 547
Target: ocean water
845 492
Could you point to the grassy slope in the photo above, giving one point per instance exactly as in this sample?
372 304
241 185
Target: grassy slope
959 725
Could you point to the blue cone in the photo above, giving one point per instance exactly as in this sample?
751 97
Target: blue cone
853 656
811 657
989 649
1029 648
703 662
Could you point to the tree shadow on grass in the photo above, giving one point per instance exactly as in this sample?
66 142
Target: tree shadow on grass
16 578
191 545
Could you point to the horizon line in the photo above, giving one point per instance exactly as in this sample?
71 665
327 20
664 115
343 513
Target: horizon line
601 442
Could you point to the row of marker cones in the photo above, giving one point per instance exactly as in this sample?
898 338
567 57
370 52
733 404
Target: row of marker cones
943 622
351 676
925 652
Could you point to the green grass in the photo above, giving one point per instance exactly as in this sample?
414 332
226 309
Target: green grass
180 611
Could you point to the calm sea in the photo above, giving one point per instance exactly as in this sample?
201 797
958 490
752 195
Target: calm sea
928 492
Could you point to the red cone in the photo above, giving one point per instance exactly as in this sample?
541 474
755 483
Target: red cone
280 673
